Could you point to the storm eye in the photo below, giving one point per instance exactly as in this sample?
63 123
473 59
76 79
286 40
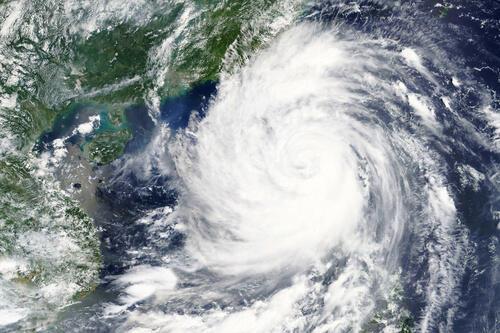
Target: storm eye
249 166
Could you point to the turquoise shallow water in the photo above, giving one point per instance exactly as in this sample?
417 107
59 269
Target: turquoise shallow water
268 166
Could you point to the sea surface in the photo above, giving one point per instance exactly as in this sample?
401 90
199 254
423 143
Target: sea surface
249 166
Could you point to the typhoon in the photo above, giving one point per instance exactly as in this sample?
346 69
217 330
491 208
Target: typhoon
249 166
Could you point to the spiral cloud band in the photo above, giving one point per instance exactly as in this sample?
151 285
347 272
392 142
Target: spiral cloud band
249 166
280 171
306 175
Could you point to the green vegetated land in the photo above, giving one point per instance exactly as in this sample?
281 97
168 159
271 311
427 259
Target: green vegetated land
117 67
49 70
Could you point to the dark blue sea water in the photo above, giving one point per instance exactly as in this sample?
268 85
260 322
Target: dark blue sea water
468 33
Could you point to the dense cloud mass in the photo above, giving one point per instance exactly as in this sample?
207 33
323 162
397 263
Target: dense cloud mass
266 166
